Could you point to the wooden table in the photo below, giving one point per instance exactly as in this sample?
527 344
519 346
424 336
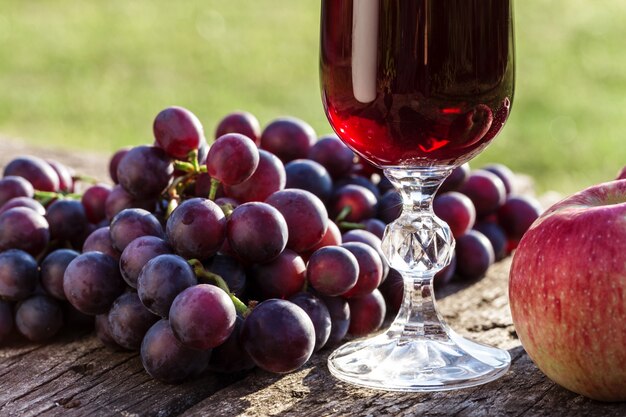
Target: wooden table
74 375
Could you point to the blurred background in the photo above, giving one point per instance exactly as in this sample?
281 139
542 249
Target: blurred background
91 75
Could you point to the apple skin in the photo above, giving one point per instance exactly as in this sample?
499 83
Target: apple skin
567 292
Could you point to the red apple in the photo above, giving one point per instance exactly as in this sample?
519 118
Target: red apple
568 292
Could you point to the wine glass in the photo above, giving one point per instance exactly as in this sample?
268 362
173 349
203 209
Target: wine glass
417 87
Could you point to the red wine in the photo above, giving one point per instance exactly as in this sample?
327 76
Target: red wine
419 82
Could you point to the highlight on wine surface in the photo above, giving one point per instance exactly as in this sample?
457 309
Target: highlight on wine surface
420 82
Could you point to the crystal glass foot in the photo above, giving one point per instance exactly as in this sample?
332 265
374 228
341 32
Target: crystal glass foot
419 352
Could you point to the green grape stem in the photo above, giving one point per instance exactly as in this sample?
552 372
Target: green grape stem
213 192
210 277
343 214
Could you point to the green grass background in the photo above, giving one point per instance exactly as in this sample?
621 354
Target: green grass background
93 74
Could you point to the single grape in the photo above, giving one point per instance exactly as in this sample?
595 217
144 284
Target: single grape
166 359
375 227
23 202
178 131
66 182
37 171
367 313
305 214
268 178
231 271
92 282
359 180
496 235
310 176
53 269
119 199
266 330
22 228
18 275
103 332
232 159
67 220
115 161
230 356
257 232
39 317
281 277
14 186
517 215
456 179
486 190
288 138
129 321
196 228
332 270
161 280
319 315
145 171
100 241
94 201
357 201
138 253
474 255
505 174
389 206
339 311
202 316
370 269
457 210
333 154
129 224
240 122
6 320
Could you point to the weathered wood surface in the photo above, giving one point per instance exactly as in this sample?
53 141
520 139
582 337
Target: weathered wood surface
75 376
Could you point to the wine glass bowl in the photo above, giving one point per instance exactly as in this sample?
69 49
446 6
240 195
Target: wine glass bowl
417 88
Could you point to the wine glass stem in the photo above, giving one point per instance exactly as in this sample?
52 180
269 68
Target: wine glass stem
418 245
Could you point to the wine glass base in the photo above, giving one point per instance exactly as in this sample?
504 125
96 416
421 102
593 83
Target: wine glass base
392 363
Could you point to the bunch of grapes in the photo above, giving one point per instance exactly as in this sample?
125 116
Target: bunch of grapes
257 250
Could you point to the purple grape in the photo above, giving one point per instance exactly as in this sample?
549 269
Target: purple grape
319 315
486 191
332 237
370 269
23 228
103 332
517 215
67 220
13 186
145 171
360 181
389 206
375 227
138 253
202 316
257 232
457 210
166 359
281 277
129 224
53 269
333 154
18 275
100 241
119 199
268 178
339 311
94 201
129 321
23 202
231 271
66 182
288 138
161 280
370 239
232 159
505 174
92 282
474 255
230 356
6 320
240 122
196 229
178 131
310 176
367 313
332 270
35 170
115 161
305 214
456 179
384 185
39 318
496 235
266 329
360 202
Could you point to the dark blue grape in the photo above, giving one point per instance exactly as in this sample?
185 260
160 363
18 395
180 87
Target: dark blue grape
310 176
18 275
145 171
53 269
319 315
129 321
14 186
138 253
39 317
22 228
129 224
